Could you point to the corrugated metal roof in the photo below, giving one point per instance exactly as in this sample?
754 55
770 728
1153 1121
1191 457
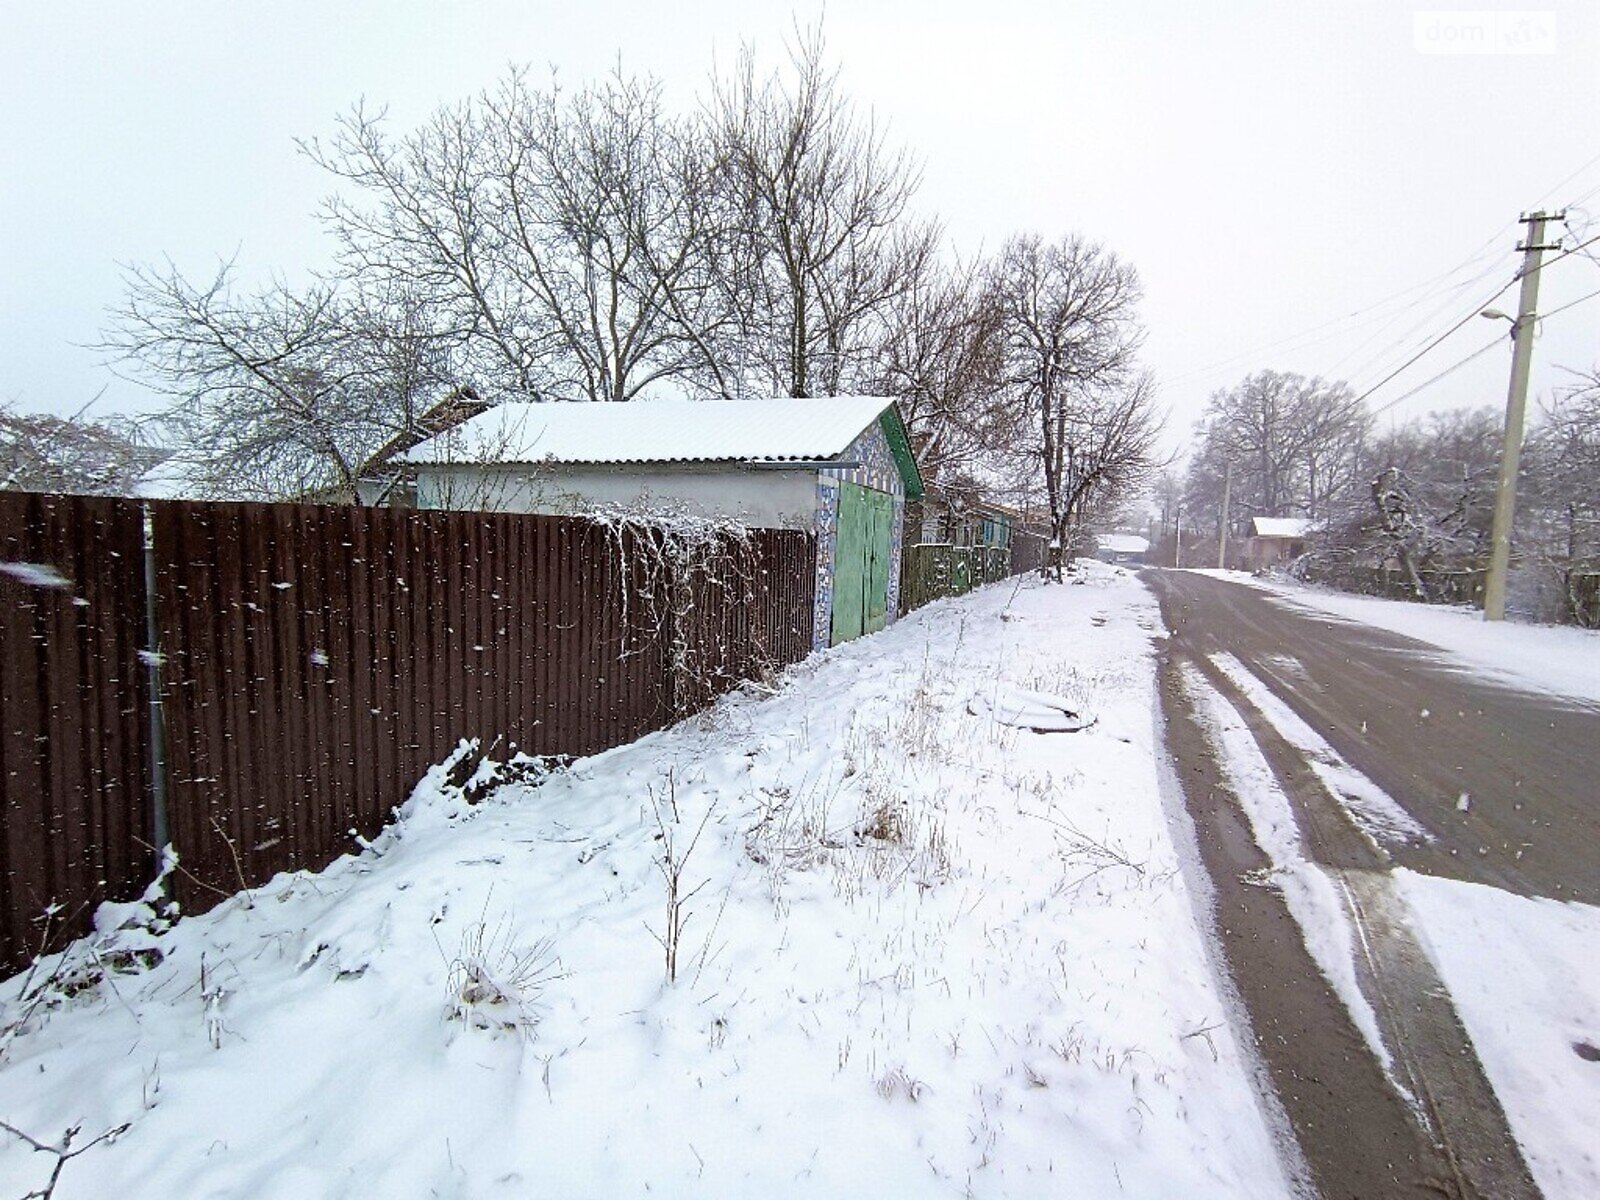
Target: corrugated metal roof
768 430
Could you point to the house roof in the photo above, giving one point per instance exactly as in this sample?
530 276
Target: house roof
1123 543
655 431
1280 527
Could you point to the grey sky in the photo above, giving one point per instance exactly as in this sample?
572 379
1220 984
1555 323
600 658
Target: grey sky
1268 167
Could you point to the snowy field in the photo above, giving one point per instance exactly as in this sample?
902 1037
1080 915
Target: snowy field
921 949
1557 659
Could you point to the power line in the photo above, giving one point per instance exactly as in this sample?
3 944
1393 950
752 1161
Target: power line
1582 246
1470 261
1374 361
1569 304
1448 371
1476 309
1476 354
1552 191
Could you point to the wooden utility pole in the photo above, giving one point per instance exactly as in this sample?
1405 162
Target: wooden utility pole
1505 497
1227 499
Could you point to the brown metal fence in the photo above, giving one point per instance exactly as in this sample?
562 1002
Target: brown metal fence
74 712
315 660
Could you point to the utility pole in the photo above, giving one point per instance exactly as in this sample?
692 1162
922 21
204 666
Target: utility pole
1505 497
1177 534
1227 499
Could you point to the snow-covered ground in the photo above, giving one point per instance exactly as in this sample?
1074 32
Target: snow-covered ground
923 951
1523 977
1558 659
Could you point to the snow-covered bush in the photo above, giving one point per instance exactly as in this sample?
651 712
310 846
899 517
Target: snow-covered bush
494 985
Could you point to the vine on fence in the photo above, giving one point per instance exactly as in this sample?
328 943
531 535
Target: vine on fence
672 569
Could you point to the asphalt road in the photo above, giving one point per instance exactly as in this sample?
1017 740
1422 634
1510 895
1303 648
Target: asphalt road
1427 732
1424 730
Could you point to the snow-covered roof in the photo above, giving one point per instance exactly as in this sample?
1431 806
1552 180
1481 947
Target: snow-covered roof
173 478
768 430
1123 543
1281 527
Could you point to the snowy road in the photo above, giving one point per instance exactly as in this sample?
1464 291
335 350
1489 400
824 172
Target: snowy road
1502 779
1398 836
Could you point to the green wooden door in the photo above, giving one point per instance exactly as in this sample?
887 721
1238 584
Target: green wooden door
861 562
850 564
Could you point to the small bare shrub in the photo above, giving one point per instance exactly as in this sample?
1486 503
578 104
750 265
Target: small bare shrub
494 986
672 860
63 1151
897 1082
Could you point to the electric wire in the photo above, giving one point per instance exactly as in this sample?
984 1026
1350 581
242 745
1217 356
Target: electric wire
1444 374
1552 191
1450 370
1568 304
1376 363
1476 309
1471 261
1566 253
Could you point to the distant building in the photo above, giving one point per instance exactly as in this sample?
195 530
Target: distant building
1122 548
839 466
1277 540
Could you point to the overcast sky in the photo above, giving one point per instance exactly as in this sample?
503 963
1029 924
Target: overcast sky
1270 168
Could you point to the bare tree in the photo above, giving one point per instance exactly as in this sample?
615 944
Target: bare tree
1070 333
280 393
1109 451
1560 507
40 452
940 356
1424 499
822 244
572 240
1293 444
420 221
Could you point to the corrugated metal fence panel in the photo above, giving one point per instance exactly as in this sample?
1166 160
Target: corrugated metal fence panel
320 659
74 797
316 661
786 573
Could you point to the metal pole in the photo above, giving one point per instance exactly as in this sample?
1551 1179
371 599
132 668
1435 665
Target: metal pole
160 824
1227 500
1505 497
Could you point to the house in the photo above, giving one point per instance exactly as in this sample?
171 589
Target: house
838 466
1121 547
954 517
1276 540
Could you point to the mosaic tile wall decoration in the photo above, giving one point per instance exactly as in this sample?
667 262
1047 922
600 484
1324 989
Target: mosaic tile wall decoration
878 470
827 528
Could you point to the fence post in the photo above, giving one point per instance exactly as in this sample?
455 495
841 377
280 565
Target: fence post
160 825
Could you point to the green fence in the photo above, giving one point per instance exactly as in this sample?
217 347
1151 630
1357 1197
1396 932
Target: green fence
931 572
